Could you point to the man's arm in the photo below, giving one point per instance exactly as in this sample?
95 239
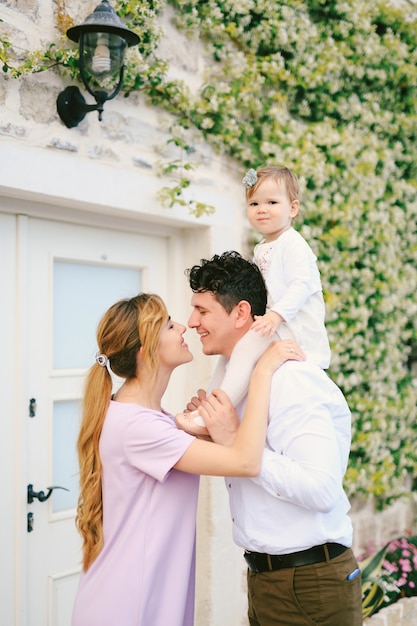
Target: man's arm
308 439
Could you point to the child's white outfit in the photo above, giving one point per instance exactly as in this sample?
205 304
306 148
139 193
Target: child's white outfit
289 267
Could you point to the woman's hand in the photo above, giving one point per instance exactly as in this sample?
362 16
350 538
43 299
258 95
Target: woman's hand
277 353
185 421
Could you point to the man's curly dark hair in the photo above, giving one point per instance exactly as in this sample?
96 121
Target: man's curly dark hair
231 278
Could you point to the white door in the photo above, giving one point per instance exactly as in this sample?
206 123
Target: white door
68 276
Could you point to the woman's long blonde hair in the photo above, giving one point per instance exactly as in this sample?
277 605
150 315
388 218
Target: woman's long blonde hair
125 328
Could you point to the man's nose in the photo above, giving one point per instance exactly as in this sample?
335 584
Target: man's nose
192 321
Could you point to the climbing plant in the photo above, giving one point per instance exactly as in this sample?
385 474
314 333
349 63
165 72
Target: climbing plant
328 88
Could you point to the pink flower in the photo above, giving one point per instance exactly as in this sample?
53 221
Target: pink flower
390 567
405 564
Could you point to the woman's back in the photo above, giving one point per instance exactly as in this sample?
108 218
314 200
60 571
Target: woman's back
149 514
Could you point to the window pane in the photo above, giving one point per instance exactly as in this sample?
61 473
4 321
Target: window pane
65 424
81 294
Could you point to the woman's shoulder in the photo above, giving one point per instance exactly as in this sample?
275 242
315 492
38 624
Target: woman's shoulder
122 415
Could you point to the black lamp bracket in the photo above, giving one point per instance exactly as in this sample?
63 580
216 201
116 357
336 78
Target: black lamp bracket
72 107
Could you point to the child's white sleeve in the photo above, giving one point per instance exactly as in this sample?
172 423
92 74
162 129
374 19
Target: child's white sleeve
239 368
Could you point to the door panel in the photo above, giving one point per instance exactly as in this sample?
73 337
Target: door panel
74 273
9 423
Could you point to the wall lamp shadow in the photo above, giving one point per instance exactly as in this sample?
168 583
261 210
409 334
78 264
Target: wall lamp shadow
102 39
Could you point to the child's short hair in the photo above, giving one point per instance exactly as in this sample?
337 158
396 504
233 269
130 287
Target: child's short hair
279 174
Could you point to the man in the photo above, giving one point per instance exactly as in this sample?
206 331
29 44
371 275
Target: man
291 520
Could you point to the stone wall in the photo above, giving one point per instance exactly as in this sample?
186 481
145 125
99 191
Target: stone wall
402 613
374 528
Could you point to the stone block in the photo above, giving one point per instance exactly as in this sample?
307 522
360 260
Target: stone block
18 39
37 101
409 606
30 8
376 620
402 613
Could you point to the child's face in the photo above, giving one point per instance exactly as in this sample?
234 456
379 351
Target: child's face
270 211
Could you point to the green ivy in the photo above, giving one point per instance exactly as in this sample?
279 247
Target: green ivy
328 88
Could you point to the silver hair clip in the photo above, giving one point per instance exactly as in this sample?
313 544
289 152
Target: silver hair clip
101 359
250 178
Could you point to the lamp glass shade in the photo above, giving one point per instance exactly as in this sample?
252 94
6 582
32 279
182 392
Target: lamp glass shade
103 54
102 39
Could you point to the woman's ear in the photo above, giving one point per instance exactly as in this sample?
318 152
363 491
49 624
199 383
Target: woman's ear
243 314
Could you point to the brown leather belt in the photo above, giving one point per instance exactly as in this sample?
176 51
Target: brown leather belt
259 562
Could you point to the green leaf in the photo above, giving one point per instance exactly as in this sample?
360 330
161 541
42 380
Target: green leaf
373 590
372 565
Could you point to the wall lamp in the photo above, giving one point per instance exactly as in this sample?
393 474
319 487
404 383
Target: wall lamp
102 39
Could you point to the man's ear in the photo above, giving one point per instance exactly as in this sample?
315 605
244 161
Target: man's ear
243 314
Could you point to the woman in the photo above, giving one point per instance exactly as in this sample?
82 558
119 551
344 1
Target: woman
139 473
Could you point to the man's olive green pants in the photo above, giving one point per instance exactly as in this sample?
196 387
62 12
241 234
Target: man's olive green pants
311 595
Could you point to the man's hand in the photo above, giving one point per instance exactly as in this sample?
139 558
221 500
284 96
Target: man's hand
220 417
196 401
185 421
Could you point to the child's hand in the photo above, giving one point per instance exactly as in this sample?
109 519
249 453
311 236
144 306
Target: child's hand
267 324
277 353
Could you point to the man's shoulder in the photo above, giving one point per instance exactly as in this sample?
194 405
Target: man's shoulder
302 374
296 382
302 368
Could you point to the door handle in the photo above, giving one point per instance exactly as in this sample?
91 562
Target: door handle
40 495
